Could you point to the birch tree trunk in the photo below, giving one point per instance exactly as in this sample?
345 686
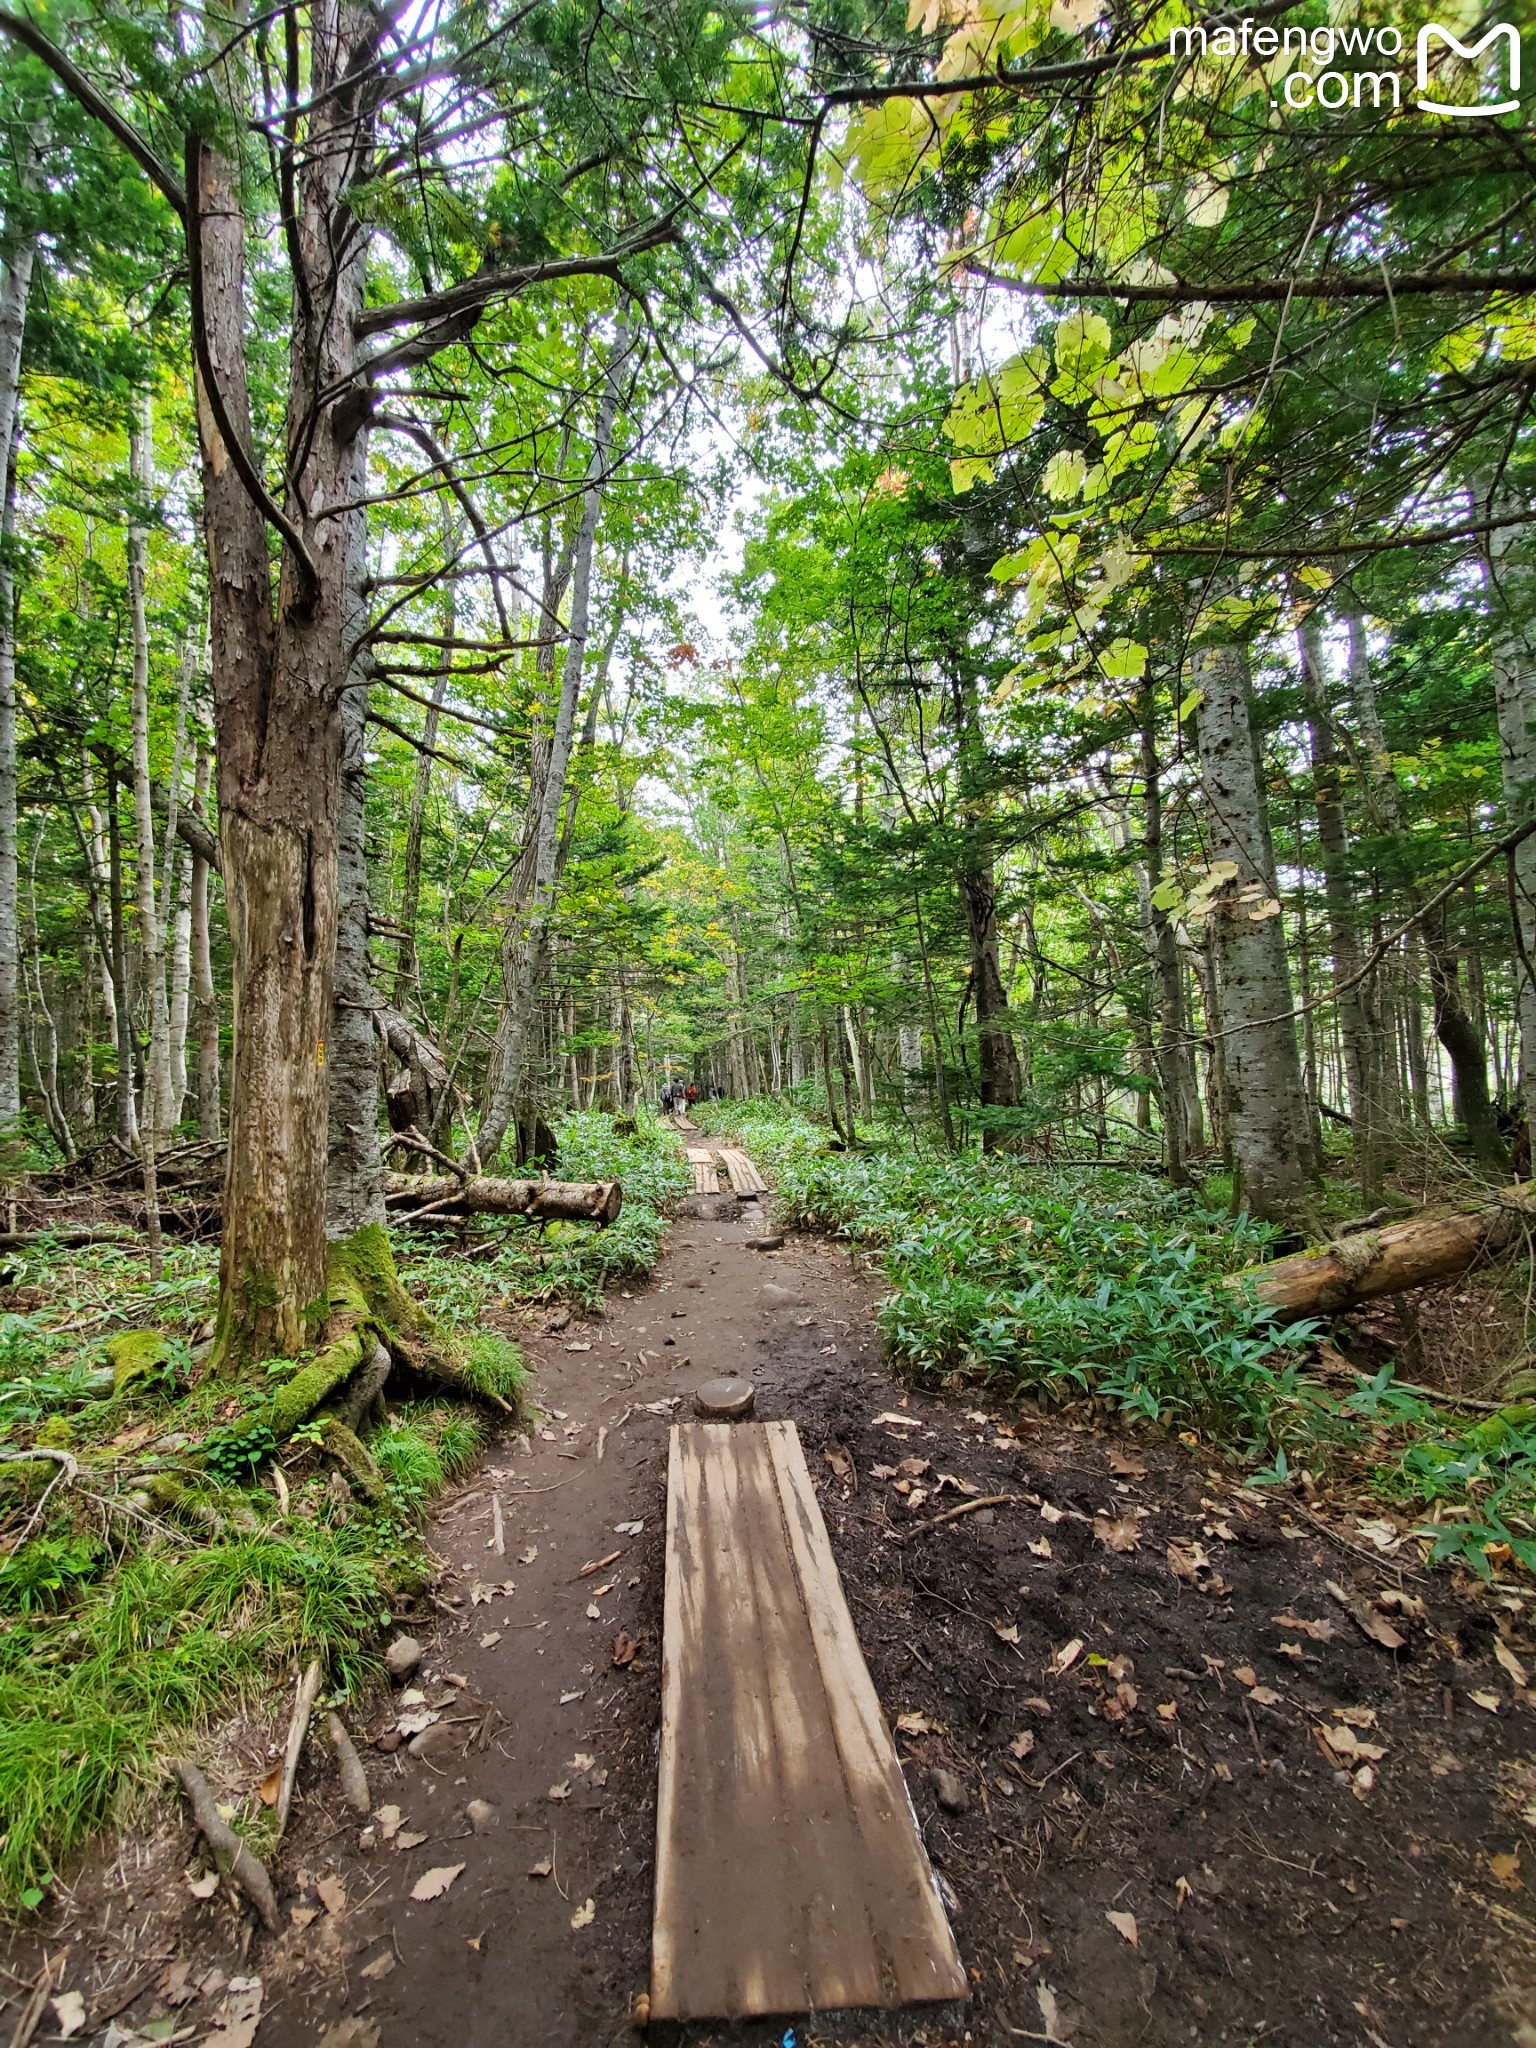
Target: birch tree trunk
525 951
204 996
1162 944
1265 1105
1509 585
15 288
1359 1040
155 1120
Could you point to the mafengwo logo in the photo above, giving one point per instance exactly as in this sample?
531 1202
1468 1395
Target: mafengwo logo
1475 79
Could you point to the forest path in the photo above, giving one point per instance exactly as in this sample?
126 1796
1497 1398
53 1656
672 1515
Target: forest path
496 1958
1190 1764
1175 1782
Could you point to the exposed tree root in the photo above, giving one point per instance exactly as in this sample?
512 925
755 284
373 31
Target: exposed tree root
247 1872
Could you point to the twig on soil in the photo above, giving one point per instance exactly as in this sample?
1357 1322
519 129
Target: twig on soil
32 2011
354 1780
1380 1559
966 1507
1039 1784
498 1532
244 1868
298 1728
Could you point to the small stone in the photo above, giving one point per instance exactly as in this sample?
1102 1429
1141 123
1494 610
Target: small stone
949 1791
766 1244
560 1320
389 1741
402 1658
481 1815
725 1400
367 1841
771 1295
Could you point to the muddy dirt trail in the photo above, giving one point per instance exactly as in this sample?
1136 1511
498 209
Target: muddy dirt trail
538 1720
1192 1763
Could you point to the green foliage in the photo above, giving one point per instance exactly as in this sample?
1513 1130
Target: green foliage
1079 1282
47 1572
160 1643
233 1455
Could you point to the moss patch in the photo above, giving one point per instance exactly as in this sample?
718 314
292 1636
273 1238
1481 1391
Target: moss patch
133 1354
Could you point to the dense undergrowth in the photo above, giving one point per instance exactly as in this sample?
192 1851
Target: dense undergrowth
165 1581
1067 1282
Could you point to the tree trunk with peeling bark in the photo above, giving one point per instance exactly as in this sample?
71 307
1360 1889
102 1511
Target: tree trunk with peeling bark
525 950
1420 1251
1265 1106
279 670
15 288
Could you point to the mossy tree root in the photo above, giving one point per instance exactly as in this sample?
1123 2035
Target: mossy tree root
374 1321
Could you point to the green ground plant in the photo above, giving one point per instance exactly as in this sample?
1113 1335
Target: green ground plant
164 1585
1065 1283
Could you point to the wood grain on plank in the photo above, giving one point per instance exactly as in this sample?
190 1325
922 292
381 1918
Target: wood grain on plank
706 1175
745 1178
790 1875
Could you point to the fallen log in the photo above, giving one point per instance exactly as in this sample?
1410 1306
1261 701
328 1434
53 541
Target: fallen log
597 1201
1417 1252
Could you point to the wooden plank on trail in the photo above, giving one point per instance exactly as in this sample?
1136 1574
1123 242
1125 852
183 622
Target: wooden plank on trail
706 1175
790 1875
745 1178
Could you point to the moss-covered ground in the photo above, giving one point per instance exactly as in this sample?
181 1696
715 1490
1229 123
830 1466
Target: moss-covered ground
170 1541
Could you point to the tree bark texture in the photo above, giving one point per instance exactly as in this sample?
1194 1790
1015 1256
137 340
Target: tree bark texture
1356 1032
483 1195
1418 1252
279 671
1509 582
525 949
15 287
1266 1111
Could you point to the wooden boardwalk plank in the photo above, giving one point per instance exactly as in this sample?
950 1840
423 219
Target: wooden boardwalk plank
790 1876
745 1178
706 1175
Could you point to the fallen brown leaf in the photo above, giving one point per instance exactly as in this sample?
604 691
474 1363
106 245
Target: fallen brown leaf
1124 1925
1124 1533
433 1883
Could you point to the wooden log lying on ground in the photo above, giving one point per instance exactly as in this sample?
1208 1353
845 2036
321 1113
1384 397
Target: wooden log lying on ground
1417 1252
597 1201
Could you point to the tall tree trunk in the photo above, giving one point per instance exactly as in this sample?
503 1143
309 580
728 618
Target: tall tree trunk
279 672
122 990
1266 1106
155 1116
1358 1041
204 995
1162 946
1466 1047
525 950
15 287
1509 583
410 894
996 1061
355 1166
